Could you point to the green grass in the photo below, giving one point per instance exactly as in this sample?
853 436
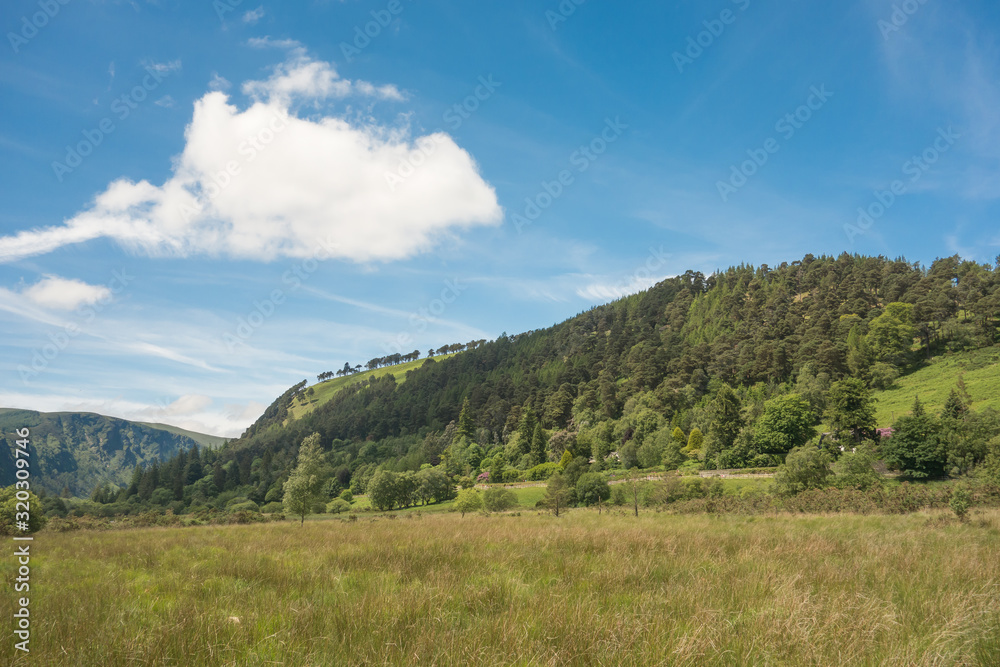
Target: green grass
324 391
932 383
526 498
582 589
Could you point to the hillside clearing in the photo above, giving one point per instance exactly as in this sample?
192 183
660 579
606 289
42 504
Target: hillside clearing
933 382
324 391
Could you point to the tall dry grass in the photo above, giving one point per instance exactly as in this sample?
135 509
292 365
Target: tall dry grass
531 590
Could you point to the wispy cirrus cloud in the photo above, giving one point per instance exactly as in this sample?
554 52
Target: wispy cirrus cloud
65 294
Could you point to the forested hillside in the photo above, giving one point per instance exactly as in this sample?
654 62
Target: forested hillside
729 370
76 451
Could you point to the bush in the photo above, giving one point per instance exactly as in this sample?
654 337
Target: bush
855 470
499 500
592 488
542 472
273 508
960 503
338 506
668 491
882 375
468 500
247 506
347 496
511 475
10 506
805 468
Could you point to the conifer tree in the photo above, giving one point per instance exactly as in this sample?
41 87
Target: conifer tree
539 445
466 425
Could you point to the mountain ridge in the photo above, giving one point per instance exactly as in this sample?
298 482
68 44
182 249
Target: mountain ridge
78 451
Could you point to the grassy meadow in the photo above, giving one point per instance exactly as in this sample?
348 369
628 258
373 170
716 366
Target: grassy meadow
933 382
324 391
583 589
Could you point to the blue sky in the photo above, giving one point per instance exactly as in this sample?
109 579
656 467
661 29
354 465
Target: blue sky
204 203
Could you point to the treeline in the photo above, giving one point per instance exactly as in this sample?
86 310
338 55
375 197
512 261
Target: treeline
730 370
396 359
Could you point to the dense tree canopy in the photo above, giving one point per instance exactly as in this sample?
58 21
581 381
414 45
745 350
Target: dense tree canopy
751 357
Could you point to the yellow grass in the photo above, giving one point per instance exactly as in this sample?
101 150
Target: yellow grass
531 590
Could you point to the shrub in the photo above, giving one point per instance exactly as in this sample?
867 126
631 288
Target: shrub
855 470
499 500
668 491
805 468
592 488
542 472
338 506
511 474
347 496
468 500
11 505
960 502
273 508
246 506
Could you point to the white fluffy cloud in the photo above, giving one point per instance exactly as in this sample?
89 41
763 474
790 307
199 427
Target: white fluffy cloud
262 183
62 294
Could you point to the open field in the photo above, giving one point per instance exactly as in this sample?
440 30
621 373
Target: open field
526 499
326 390
584 589
932 383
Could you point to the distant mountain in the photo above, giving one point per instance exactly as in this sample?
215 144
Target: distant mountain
80 450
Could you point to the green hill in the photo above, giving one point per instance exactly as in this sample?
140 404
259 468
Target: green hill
323 392
691 352
81 450
978 369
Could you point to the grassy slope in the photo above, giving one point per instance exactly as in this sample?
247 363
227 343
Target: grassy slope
531 590
324 391
980 370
